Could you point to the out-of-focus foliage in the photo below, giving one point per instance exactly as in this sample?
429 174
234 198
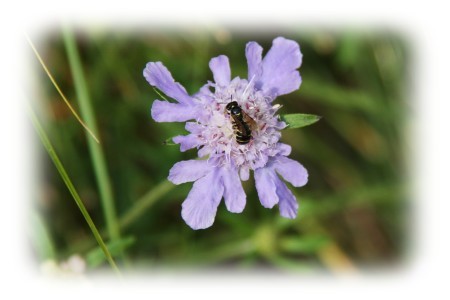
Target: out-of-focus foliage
354 210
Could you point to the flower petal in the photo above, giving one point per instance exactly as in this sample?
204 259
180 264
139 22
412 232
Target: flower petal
244 173
234 194
163 111
279 74
265 186
189 170
158 75
187 141
200 207
284 149
253 53
220 68
288 204
194 127
205 91
291 170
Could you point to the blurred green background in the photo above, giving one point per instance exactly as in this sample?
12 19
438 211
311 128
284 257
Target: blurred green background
354 211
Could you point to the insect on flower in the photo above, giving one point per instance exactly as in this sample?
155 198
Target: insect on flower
242 123
235 129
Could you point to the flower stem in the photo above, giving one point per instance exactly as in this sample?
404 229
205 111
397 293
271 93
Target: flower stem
95 149
143 203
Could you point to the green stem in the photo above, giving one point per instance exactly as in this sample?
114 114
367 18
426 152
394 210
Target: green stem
59 166
145 202
133 214
95 149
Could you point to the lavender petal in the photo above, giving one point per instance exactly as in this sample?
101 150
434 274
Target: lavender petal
220 68
288 204
163 111
200 207
279 66
284 149
244 173
187 141
265 186
158 75
253 53
234 194
189 170
291 170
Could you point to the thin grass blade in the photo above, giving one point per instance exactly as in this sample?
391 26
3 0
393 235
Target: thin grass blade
65 177
41 61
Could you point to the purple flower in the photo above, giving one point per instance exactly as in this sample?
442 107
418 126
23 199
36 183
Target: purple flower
215 132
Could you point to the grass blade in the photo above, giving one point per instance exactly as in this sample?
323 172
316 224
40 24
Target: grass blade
59 90
59 166
41 238
160 94
95 257
95 150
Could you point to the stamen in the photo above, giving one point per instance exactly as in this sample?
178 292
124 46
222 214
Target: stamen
248 85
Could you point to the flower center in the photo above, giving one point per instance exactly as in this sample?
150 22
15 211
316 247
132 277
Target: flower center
242 127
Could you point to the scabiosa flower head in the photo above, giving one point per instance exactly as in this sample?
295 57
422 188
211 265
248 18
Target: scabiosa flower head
235 127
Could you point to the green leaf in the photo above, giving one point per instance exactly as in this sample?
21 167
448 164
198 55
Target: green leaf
95 257
299 120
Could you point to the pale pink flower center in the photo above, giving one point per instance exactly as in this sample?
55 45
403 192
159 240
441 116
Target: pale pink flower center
218 135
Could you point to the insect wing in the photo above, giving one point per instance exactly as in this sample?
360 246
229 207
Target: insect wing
239 126
250 122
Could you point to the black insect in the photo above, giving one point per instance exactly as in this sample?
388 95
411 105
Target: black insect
242 123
